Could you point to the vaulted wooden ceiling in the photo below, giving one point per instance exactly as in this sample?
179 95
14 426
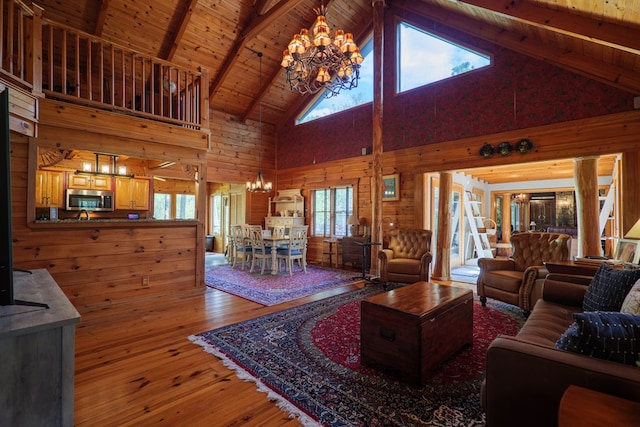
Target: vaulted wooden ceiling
597 39
600 40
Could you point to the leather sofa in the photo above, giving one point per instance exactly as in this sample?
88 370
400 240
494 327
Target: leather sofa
526 375
518 280
571 231
408 256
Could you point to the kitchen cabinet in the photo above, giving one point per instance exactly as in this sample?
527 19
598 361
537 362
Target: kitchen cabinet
49 189
132 193
89 182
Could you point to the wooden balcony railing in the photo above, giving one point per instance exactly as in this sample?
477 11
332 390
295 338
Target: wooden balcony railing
67 64
20 44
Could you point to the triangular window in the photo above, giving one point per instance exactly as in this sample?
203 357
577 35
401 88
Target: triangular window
426 58
363 93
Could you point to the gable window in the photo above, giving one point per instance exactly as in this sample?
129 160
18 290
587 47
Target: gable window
330 209
425 58
359 95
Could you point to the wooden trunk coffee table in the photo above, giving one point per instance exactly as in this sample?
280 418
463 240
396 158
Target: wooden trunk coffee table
411 330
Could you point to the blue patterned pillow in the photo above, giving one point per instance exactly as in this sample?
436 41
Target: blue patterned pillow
608 288
606 335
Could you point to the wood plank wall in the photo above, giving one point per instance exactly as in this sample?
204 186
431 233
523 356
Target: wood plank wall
599 135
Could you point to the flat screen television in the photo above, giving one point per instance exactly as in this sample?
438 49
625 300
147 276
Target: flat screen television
6 241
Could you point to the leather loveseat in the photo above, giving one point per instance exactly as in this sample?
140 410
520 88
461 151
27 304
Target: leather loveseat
526 375
408 256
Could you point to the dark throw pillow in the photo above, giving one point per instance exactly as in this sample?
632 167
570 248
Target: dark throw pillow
608 288
606 335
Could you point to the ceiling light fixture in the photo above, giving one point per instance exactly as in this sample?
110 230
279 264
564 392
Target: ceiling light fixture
322 62
259 185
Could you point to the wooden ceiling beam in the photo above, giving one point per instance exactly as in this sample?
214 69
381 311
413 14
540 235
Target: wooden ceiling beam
256 24
183 22
595 31
597 70
102 16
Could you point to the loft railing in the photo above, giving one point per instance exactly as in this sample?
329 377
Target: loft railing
68 64
21 44
80 67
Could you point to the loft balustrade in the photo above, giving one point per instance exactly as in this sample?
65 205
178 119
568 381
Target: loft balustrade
67 64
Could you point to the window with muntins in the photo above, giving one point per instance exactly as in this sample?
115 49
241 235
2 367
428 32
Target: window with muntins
330 209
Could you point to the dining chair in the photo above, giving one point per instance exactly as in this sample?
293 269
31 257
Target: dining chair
296 249
240 246
261 252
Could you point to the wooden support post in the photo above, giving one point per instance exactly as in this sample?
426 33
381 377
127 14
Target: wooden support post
442 265
629 195
376 196
587 207
506 218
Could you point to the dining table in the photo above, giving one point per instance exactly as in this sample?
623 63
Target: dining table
274 241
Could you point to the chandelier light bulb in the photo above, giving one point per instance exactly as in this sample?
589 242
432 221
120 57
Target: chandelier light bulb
323 63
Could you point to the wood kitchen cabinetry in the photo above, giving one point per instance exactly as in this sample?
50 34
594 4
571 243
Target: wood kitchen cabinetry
89 182
132 193
49 189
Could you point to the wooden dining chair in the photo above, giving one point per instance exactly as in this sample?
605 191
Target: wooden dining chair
261 252
296 248
242 250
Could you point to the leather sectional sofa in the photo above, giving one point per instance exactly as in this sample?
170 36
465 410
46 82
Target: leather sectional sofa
526 375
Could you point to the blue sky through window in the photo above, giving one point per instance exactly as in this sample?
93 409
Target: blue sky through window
423 58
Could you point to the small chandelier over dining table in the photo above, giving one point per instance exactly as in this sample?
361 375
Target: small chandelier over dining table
259 185
322 62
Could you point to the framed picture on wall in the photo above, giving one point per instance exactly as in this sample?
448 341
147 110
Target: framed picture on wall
391 189
628 251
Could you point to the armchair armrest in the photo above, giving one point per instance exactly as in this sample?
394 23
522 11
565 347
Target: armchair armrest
425 260
384 256
525 381
532 275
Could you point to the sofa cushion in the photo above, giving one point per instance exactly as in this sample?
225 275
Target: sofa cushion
606 335
546 323
631 303
404 266
608 288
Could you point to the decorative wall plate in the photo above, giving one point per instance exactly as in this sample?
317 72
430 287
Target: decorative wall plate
524 146
504 148
487 151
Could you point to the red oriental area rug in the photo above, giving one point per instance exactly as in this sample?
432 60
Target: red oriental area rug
307 358
270 289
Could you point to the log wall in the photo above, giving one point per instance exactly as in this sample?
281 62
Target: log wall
616 133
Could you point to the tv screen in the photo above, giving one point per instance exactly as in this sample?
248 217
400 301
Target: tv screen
6 242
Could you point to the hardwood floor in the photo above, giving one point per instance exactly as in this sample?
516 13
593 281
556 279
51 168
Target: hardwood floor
135 365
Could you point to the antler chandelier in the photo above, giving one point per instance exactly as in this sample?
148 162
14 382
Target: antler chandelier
322 63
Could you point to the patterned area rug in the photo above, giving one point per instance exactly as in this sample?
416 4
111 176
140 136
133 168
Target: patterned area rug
307 359
270 290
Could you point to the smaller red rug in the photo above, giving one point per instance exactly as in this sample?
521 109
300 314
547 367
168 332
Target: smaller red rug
270 289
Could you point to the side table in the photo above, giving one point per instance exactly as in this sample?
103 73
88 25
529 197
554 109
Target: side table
366 247
588 408
328 251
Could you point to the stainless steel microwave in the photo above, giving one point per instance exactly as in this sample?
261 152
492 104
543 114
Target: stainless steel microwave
90 200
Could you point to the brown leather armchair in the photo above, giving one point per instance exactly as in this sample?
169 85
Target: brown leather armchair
407 257
518 280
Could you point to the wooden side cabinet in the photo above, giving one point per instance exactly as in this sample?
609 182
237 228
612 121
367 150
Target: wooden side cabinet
352 252
49 189
132 193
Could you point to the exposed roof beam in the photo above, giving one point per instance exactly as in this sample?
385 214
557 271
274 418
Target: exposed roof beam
102 16
579 64
183 22
256 24
591 30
